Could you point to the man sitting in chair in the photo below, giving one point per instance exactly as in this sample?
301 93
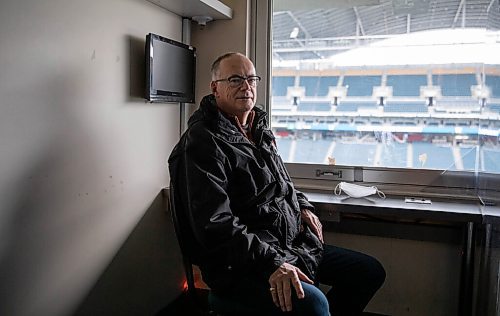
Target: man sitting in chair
255 237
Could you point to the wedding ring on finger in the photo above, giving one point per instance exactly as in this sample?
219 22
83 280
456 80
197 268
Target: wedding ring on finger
272 289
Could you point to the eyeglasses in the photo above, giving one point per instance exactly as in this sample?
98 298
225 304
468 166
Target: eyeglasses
236 81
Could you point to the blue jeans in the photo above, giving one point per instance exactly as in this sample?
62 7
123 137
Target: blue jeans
255 299
353 276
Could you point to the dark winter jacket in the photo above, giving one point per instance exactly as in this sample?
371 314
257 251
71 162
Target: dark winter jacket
238 210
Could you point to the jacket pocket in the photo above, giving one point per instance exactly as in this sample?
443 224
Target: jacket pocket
267 215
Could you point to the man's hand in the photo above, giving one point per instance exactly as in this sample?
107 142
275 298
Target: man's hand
311 220
281 290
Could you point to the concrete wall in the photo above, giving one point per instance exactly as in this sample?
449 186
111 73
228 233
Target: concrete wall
422 275
145 275
82 156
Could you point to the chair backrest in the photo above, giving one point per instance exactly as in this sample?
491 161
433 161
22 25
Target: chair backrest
187 244
182 238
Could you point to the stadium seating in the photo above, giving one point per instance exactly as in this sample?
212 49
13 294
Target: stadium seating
317 86
405 106
311 151
468 156
493 82
311 84
436 156
325 83
351 118
280 85
491 158
284 146
393 155
455 84
406 85
458 103
494 107
361 86
355 105
354 154
314 106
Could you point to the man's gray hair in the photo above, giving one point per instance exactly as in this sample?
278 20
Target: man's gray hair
215 66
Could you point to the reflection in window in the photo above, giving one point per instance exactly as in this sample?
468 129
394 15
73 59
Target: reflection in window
405 84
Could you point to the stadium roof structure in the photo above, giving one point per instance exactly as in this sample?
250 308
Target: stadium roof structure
338 26
434 47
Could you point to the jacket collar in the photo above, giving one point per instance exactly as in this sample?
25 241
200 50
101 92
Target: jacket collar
210 112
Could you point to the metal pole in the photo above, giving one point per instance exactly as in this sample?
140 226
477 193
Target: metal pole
186 39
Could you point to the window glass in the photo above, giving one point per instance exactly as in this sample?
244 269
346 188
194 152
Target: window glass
397 84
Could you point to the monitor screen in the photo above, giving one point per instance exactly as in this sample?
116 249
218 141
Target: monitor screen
170 70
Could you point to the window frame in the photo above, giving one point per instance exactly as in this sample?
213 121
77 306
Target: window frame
397 181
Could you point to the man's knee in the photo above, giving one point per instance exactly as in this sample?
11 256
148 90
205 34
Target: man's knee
368 276
376 273
314 302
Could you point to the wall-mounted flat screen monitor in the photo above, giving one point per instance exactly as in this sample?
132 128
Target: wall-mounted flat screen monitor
170 70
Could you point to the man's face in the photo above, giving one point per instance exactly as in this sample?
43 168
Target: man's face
235 100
